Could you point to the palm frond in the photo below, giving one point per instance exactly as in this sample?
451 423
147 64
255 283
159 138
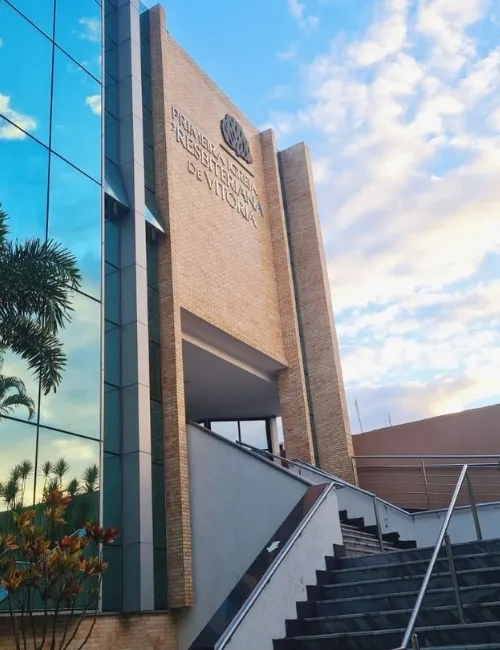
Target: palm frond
46 468
37 345
11 383
25 469
73 487
90 478
11 402
4 227
60 468
39 279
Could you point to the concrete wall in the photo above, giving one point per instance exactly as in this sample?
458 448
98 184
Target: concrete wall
238 501
265 620
466 434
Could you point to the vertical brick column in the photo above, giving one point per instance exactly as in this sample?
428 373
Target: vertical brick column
179 548
291 382
326 387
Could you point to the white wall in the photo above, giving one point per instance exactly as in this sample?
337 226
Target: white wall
265 620
238 501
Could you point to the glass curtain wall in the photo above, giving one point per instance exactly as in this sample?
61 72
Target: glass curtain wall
51 187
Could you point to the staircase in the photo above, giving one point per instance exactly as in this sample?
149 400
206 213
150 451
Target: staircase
361 540
364 602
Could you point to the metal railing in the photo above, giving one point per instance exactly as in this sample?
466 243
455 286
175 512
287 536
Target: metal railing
443 537
427 482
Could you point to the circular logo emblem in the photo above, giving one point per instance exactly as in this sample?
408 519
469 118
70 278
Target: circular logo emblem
235 138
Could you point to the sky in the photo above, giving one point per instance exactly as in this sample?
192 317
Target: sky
399 101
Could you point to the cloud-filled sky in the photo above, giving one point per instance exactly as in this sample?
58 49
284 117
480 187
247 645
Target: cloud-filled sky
399 101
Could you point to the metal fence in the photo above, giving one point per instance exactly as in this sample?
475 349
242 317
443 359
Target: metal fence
428 482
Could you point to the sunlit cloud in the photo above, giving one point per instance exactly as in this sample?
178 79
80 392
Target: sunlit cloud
91 29
9 131
288 55
298 12
403 122
94 102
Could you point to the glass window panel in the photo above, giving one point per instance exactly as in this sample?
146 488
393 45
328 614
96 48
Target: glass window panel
73 464
78 31
75 220
14 366
112 491
160 578
114 186
17 465
112 241
112 354
25 75
111 59
147 122
111 23
155 371
147 92
40 12
112 418
157 446
253 432
149 168
76 120
145 55
227 430
111 582
23 182
111 95
76 405
111 137
153 315
159 521
112 295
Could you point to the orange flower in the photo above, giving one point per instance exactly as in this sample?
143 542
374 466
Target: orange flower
13 581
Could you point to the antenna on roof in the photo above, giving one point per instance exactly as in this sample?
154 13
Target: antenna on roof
359 417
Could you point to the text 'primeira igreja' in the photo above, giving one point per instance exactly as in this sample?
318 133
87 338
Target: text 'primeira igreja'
221 174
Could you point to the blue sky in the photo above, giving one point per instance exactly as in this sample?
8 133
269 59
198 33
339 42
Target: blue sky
399 101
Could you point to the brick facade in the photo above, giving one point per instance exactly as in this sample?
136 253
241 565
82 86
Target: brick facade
225 259
327 395
148 632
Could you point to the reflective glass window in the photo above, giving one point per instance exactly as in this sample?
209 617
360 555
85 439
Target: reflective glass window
71 463
40 12
159 521
23 182
111 583
17 468
112 418
78 32
160 578
111 58
112 294
112 241
112 354
227 430
111 137
157 445
112 491
111 22
254 432
75 220
76 120
111 95
155 371
25 74
76 405
14 366
153 315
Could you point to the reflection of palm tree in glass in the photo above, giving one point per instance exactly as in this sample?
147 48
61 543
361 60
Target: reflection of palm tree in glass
12 395
60 469
46 469
36 281
91 479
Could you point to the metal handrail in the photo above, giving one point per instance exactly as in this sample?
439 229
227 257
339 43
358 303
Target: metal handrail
409 635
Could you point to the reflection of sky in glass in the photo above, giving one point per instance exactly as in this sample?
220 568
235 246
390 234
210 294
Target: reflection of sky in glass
41 12
227 430
75 220
23 183
76 122
18 444
75 407
25 73
78 32
253 432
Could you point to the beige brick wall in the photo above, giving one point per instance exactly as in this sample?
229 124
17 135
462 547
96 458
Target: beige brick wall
328 401
148 632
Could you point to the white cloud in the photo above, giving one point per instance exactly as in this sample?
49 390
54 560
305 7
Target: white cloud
94 102
298 11
9 131
407 158
91 29
288 55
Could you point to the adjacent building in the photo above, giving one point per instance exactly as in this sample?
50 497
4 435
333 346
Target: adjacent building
205 295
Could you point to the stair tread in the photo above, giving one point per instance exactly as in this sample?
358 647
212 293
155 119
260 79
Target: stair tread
430 628
411 563
343 585
407 610
407 593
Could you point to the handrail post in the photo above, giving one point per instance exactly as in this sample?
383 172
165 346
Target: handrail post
414 642
377 521
424 472
454 577
475 515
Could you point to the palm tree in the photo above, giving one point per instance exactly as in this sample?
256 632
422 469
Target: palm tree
36 281
25 468
60 468
46 470
18 396
90 478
